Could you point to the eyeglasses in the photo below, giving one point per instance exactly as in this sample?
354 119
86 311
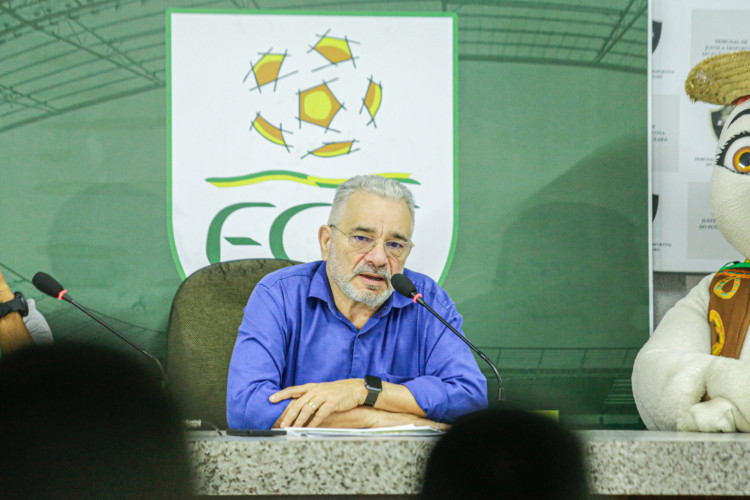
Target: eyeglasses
364 244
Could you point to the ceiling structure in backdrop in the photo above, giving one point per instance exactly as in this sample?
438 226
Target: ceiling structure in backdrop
58 56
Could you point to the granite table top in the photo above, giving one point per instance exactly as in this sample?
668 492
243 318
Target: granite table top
619 463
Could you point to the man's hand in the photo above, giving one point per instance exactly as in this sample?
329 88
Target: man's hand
367 418
13 332
313 403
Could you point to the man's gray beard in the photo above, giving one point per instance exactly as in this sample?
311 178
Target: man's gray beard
344 281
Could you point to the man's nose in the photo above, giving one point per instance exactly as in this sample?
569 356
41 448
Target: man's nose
377 255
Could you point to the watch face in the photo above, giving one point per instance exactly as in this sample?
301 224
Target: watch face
373 383
24 305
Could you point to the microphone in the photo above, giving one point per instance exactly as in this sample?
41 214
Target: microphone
405 287
50 286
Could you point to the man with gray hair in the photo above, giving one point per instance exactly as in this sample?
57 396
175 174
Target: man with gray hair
328 344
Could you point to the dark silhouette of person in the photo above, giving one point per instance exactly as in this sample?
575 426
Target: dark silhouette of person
80 421
506 453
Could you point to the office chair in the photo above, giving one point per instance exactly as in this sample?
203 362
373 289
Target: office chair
206 312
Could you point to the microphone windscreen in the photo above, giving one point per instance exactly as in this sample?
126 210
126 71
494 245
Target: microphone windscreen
47 284
403 285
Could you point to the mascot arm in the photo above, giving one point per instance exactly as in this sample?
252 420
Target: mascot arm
715 415
728 380
675 369
669 373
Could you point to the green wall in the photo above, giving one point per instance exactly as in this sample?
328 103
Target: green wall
550 270
551 266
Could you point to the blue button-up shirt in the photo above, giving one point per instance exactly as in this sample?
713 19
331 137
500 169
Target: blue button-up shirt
293 334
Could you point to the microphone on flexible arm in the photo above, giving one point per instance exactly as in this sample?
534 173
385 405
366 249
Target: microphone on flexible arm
405 287
49 285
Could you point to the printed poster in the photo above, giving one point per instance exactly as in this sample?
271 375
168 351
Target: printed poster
270 112
684 134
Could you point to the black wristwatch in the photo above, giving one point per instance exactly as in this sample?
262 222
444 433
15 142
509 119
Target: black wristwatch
374 385
17 304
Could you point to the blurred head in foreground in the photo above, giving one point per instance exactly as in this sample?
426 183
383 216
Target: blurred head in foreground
506 453
79 421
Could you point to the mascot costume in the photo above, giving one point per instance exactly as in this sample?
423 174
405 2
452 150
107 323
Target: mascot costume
693 374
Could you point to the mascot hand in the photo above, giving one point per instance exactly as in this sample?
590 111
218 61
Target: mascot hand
715 415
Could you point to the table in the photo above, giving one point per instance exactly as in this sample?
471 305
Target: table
619 463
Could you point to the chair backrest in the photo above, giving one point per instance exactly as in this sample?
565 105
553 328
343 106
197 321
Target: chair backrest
206 313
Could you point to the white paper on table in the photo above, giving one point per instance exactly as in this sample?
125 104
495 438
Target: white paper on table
399 430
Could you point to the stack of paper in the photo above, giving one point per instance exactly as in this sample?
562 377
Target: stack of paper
400 430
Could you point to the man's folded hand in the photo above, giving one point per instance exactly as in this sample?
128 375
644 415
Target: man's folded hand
313 403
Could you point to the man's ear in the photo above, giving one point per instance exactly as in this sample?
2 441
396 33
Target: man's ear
325 238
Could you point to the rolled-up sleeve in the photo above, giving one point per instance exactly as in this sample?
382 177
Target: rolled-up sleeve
257 364
452 384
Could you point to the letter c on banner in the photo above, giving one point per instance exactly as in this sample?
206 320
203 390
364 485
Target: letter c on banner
276 236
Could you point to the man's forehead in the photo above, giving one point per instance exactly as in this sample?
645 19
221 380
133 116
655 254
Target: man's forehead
372 201
369 209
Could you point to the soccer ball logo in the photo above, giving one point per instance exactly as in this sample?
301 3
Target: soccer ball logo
318 104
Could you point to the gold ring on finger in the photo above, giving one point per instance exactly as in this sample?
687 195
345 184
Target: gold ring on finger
313 405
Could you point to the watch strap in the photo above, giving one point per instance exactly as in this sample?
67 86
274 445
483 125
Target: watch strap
374 386
16 304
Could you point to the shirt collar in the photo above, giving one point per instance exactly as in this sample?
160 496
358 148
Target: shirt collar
320 288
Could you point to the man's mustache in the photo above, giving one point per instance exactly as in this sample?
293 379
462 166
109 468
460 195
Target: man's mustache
382 271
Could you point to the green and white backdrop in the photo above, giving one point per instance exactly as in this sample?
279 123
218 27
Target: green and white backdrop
549 264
